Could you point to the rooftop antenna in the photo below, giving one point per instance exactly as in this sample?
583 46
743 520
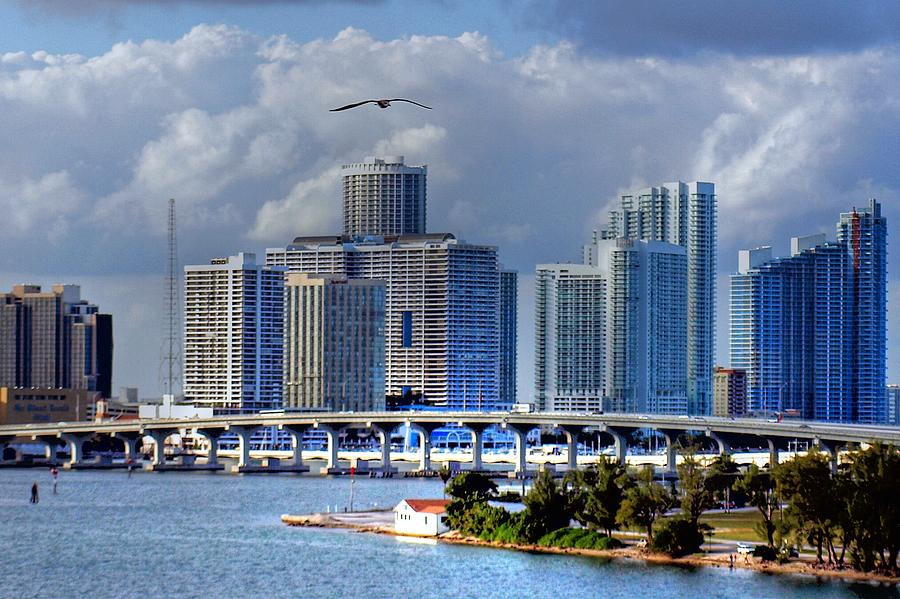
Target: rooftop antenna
171 358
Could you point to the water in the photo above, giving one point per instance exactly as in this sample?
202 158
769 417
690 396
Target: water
208 535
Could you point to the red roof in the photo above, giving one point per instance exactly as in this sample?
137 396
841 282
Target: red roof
428 506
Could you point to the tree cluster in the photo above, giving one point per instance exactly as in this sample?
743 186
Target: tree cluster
852 511
849 515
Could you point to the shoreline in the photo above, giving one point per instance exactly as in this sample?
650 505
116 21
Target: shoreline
375 522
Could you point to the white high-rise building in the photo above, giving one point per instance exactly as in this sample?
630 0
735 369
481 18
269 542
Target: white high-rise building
334 343
383 196
233 341
570 339
682 214
646 324
442 310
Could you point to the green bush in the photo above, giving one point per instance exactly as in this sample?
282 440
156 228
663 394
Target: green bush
481 520
519 528
578 538
677 536
765 552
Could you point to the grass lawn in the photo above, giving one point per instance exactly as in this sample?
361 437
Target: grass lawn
737 526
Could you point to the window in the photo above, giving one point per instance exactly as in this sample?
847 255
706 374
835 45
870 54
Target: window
407 329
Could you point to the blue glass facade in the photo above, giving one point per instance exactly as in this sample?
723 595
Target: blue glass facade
810 330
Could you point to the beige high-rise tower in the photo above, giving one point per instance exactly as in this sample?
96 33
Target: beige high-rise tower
333 343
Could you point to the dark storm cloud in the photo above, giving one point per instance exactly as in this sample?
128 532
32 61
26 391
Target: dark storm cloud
742 27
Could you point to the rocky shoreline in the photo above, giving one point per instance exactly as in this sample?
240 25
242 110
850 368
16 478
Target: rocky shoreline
381 522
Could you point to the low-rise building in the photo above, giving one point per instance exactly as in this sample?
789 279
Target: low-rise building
421 517
36 405
170 409
729 392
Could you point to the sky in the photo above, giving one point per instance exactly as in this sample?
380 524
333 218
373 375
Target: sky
544 112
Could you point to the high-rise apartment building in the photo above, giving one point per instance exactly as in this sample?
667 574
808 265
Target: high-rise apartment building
509 294
683 214
809 329
570 337
54 340
863 231
233 334
646 324
334 343
729 392
383 197
442 310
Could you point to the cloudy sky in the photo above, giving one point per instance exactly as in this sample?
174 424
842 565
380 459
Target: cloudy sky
543 113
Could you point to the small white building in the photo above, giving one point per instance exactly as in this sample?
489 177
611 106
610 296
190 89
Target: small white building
422 517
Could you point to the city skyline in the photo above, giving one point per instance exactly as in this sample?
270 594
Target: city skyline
526 147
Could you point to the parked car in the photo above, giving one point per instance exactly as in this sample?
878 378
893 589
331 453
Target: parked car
745 548
641 543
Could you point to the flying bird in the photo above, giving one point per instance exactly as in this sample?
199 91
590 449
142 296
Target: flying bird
380 103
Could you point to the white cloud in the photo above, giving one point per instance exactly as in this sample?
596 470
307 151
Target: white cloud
311 208
41 207
524 151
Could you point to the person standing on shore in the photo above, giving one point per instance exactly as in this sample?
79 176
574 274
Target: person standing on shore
54 473
34 493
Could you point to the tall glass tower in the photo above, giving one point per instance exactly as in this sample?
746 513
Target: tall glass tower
509 294
863 232
682 214
810 329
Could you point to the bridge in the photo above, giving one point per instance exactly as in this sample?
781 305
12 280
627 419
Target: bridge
724 433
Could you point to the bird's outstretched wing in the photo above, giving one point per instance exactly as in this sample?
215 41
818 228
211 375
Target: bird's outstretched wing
410 101
354 105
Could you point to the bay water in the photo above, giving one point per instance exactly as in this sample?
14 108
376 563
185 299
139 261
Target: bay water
105 534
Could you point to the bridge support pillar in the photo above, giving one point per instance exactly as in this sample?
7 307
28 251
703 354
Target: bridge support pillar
571 433
212 438
477 444
76 448
49 450
131 452
158 455
620 442
243 434
129 442
333 441
383 430
671 438
424 429
520 459
773 453
723 446
296 433
833 451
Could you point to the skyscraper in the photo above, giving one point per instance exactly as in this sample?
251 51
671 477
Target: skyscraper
863 231
233 334
509 294
442 310
646 325
682 214
383 196
570 337
810 329
334 343
54 339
